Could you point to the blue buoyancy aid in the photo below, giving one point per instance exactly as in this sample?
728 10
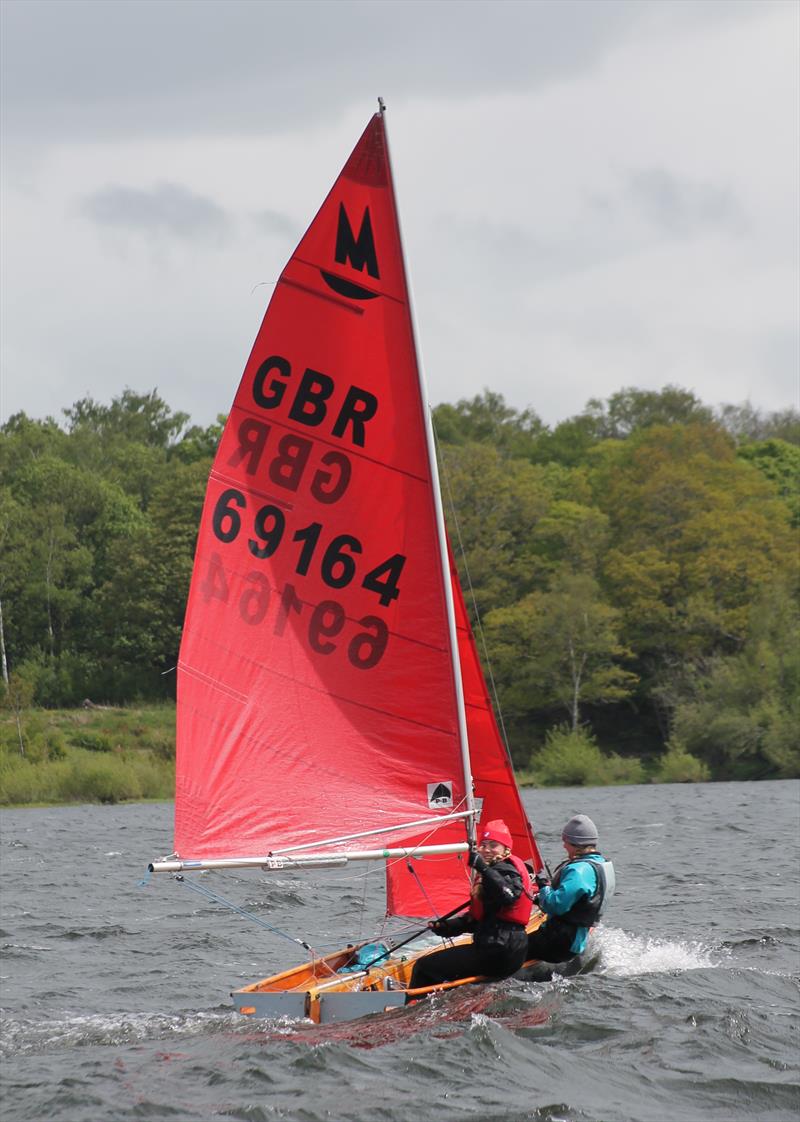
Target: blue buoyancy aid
580 889
587 909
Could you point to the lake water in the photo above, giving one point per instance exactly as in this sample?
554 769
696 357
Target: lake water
115 995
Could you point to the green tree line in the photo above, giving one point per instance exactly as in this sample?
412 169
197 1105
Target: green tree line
635 572
632 571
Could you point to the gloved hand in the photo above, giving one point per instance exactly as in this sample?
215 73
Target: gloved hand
438 926
541 881
476 862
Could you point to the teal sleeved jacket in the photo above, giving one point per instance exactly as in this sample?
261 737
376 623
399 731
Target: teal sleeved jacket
576 882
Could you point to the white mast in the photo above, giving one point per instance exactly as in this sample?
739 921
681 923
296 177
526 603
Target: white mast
440 526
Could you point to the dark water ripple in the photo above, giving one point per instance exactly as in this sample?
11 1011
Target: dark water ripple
114 995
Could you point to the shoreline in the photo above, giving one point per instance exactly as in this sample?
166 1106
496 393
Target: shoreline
523 787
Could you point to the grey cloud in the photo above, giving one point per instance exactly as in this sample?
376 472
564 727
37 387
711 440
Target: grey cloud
524 257
600 232
277 224
680 207
241 67
167 209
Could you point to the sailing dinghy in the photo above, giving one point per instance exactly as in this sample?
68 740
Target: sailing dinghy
331 704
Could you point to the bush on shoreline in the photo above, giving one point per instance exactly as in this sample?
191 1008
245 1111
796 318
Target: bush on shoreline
96 755
679 766
571 758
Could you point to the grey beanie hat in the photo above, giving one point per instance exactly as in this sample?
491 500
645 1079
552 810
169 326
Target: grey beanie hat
580 830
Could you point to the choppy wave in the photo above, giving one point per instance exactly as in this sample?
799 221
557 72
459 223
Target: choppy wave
115 1000
10 950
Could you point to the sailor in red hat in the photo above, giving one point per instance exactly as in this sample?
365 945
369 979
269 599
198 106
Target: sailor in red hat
499 908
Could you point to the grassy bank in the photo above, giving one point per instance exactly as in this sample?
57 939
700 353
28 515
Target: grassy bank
87 755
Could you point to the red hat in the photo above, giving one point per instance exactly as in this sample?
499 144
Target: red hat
497 831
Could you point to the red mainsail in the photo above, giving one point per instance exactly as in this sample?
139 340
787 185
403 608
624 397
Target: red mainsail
317 686
316 690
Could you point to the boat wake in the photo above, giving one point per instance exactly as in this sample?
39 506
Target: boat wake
622 955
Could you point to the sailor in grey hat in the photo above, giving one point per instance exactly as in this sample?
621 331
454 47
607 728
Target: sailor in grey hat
577 896
580 832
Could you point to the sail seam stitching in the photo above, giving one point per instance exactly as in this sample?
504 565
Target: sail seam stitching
320 295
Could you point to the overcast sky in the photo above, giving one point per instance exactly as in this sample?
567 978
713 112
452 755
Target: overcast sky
593 194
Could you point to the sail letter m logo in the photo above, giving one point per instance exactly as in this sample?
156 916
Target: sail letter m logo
357 251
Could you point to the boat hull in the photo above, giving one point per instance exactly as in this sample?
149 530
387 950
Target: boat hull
318 991
322 1009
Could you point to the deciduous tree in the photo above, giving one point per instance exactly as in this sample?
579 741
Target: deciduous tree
560 648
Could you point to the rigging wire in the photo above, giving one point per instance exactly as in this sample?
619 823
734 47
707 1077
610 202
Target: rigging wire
362 910
215 897
416 877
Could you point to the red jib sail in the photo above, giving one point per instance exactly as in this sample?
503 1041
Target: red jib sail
316 694
420 886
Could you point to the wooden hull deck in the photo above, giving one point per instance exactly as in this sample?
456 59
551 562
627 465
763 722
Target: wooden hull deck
317 991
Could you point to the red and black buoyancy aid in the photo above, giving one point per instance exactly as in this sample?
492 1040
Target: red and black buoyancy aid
517 912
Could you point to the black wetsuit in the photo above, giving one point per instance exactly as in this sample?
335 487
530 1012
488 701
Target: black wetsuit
498 946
